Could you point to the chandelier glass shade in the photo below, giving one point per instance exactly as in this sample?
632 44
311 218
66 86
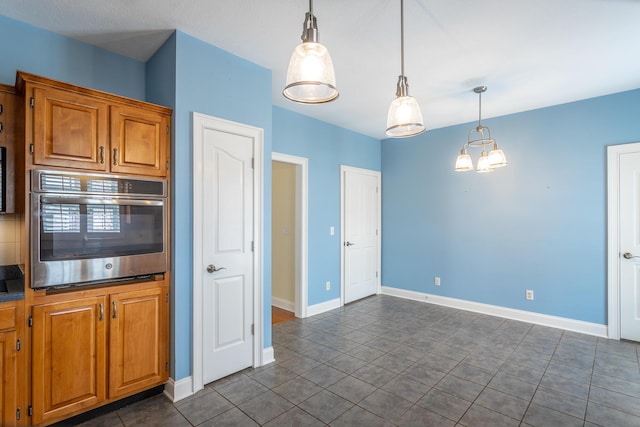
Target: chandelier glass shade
480 136
404 117
311 78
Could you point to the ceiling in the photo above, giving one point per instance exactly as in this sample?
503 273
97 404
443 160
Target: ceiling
530 53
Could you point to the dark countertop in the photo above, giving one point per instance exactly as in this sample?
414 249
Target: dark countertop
11 283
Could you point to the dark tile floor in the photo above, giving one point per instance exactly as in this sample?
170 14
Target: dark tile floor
385 361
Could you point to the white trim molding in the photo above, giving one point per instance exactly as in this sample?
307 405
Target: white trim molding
283 303
268 356
178 390
302 230
613 234
324 307
508 313
199 123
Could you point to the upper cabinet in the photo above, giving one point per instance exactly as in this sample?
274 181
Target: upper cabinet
73 127
10 142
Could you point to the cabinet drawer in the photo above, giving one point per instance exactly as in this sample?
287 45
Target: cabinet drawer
8 318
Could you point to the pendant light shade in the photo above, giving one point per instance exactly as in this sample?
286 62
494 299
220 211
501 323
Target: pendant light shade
310 76
480 136
464 162
404 118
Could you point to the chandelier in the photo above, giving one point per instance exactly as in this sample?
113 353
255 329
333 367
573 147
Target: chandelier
488 161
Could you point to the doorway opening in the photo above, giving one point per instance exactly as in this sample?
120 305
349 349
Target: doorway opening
289 236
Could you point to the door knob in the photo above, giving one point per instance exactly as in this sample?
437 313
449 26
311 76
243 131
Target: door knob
628 255
349 244
212 268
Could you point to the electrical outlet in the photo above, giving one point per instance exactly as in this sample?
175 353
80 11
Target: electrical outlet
528 294
328 285
436 281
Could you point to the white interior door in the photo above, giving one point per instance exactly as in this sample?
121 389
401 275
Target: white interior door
629 246
227 254
360 232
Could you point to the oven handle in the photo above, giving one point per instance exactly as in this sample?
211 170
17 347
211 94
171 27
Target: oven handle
90 201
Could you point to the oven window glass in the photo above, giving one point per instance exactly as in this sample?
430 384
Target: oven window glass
60 218
103 219
83 231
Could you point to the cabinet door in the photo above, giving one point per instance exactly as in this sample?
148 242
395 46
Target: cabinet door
138 341
69 355
69 130
139 141
7 140
8 377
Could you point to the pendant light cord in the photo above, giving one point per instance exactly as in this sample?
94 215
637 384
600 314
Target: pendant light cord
402 37
479 109
311 7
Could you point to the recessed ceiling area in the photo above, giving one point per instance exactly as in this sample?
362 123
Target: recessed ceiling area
529 53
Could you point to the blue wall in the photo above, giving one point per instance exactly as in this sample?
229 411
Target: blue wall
327 147
44 53
213 82
539 223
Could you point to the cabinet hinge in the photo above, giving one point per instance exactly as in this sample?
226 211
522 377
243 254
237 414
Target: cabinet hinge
376 190
252 329
166 297
31 148
166 366
167 165
376 274
18 345
18 414
32 102
253 163
30 410
30 321
1 127
167 130
252 246
1 108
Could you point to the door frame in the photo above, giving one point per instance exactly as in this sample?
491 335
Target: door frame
200 122
343 170
302 229
613 235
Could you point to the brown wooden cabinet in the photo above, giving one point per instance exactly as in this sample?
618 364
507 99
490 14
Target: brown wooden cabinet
69 357
10 141
69 129
8 365
73 127
138 341
92 347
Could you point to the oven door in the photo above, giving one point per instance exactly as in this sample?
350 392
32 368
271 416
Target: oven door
94 238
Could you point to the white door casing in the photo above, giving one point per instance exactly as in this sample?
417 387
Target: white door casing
624 237
302 230
227 230
360 233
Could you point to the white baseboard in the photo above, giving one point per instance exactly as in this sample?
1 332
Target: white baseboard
508 313
283 304
268 356
322 307
178 390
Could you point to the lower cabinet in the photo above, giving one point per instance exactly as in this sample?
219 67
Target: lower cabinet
97 348
10 414
8 379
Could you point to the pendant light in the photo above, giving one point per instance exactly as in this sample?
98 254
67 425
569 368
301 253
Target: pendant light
310 77
404 118
488 161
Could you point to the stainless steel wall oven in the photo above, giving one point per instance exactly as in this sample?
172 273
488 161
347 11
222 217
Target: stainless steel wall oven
91 228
